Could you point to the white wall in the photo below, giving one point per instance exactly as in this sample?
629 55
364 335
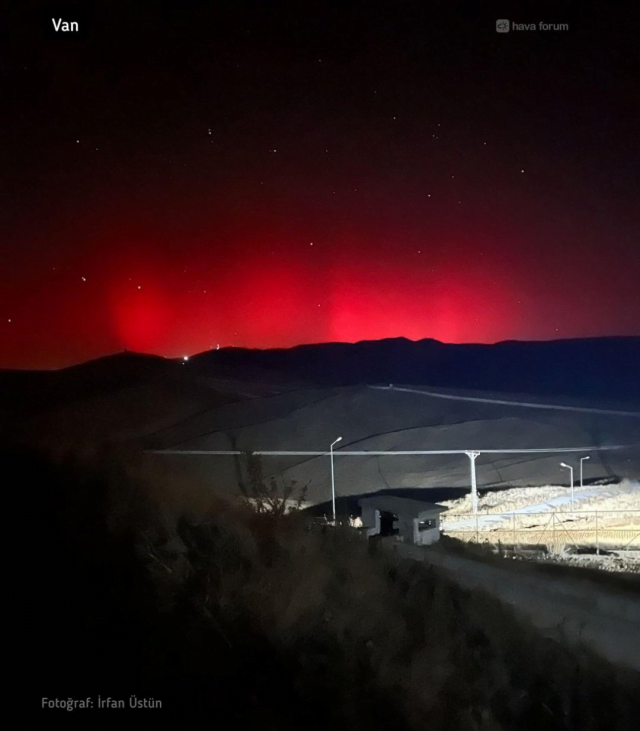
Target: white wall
427 537
371 520
431 535
407 528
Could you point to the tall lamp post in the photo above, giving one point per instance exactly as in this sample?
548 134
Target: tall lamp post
570 468
582 459
333 481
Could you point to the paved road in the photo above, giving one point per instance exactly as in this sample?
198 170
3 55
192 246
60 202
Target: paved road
607 622
505 402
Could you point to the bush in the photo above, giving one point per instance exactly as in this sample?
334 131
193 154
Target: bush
277 625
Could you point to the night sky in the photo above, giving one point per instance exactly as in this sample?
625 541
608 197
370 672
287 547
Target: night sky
266 174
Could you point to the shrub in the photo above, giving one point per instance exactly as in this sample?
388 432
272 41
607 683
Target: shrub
274 624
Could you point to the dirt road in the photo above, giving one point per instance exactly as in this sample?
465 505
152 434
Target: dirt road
507 402
607 622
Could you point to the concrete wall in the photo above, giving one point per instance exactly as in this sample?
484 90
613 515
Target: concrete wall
408 529
427 537
431 535
371 521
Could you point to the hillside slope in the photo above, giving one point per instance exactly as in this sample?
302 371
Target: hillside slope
381 420
260 400
598 368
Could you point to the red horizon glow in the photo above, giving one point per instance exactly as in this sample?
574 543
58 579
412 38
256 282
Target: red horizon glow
282 295
269 179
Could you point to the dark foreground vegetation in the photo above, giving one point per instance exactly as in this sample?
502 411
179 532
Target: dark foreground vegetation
138 585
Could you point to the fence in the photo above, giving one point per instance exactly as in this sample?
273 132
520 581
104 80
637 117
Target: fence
599 529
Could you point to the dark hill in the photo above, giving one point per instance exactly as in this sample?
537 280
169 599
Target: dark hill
605 369
600 368
36 391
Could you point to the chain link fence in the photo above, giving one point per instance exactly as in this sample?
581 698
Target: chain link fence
550 530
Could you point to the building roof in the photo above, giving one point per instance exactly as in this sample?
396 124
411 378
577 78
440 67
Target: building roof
400 505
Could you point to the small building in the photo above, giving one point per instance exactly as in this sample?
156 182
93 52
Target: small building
414 521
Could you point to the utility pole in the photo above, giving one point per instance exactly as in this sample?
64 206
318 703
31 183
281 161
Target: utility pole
333 481
474 488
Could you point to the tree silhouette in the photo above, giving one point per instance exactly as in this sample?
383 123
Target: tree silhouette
269 496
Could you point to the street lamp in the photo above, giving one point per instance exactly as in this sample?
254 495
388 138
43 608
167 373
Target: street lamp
333 482
570 468
582 459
